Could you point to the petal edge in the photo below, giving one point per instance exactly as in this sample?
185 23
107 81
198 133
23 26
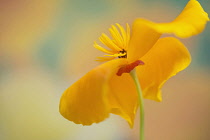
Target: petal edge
168 57
86 101
191 21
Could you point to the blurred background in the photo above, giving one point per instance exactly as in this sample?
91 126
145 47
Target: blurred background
46 45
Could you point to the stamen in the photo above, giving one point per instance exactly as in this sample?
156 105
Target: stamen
109 43
118 44
116 36
123 33
119 55
127 35
102 49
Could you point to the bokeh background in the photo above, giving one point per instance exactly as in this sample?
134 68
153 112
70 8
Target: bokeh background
46 45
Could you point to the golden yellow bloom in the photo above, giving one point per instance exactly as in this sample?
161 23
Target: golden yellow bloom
109 88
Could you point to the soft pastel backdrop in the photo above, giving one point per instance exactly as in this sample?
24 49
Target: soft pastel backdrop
46 45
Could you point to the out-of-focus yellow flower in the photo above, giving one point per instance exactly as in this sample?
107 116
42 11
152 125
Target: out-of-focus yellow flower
109 88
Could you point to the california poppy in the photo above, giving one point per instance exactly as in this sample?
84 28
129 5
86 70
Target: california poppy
109 87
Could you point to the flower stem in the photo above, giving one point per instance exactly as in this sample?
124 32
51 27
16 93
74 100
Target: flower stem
141 102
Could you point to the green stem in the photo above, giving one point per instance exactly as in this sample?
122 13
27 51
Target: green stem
141 102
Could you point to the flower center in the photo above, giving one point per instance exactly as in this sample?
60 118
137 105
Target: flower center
124 54
117 45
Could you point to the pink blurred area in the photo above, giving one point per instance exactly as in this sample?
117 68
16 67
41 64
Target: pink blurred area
45 46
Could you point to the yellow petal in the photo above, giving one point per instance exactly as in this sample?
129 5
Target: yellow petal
164 60
145 33
143 37
86 102
123 97
191 21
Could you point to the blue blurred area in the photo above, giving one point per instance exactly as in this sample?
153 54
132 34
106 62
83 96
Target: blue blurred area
204 50
50 47
66 23
93 8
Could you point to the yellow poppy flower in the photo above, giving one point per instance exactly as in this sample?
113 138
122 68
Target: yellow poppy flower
109 88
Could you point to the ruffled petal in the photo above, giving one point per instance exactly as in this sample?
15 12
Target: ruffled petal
143 37
191 21
145 33
123 97
164 60
86 102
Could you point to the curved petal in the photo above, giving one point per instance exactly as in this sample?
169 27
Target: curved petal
123 97
86 102
143 37
145 33
191 21
164 60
